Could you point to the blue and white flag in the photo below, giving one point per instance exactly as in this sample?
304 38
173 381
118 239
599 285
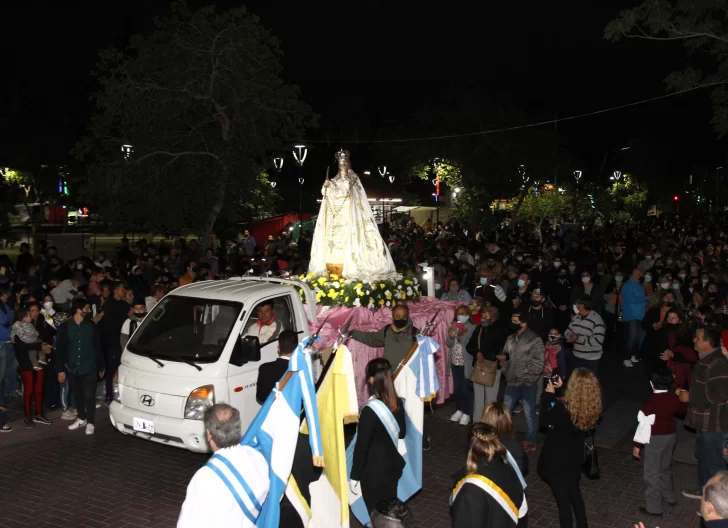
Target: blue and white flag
274 430
415 383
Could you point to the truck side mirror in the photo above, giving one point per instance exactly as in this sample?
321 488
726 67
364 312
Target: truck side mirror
246 349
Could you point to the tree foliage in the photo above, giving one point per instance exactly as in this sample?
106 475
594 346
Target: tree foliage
202 104
541 205
700 25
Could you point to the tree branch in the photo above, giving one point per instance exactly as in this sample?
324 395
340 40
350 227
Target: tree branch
176 155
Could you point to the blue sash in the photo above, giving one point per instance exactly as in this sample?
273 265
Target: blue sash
515 467
251 513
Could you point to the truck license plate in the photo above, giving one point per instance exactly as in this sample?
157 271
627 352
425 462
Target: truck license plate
143 426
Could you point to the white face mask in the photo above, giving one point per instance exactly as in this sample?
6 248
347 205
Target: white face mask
557 264
576 310
438 286
462 319
79 266
48 305
665 285
586 280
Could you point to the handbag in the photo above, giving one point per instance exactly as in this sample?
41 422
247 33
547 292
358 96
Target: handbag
484 372
590 468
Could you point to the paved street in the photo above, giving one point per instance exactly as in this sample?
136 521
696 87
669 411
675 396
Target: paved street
52 477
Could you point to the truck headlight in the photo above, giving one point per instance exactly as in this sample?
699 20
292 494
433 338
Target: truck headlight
198 401
117 393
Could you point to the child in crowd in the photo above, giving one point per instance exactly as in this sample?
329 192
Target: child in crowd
656 433
554 361
24 330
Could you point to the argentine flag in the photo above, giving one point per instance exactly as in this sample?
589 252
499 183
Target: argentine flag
415 382
274 430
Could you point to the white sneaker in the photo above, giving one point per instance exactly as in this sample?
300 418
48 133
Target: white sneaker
635 359
455 417
68 414
77 424
465 420
628 363
90 429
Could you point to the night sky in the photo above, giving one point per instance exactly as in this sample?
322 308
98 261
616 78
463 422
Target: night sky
371 64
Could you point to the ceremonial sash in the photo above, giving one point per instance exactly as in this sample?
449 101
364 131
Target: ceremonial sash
515 467
235 483
498 495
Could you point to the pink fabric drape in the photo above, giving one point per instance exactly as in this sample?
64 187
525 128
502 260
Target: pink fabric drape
368 320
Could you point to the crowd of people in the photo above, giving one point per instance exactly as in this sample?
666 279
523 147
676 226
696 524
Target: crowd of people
536 313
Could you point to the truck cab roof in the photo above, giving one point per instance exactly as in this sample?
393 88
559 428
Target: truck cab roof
230 290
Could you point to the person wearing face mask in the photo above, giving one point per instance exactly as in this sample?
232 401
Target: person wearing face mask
586 334
138 312
522 360
81 359
541 316
461 367
586 287
486 344
603 277
713 298
672 347
476 308
525 286
396 338
647 286
634 304
560 296
573 274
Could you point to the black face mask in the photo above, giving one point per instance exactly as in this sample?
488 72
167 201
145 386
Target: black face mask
515 326
673 326
535 303
667 304
399 323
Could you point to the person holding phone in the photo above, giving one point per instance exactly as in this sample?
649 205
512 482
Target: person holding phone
458 338
568 420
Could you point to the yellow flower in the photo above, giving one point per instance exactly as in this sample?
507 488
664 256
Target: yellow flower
358 286
333 294
408 282
322 281
319 296
301 277
310 275
371 300
359 292
334 276
381 302
346 299
388 295
382 285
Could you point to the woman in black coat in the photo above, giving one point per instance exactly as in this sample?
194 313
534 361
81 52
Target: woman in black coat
377 465
568 420
559 293
486 342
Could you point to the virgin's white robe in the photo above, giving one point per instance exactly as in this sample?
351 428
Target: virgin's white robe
347 234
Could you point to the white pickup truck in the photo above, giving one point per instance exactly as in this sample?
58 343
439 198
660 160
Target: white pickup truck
190 352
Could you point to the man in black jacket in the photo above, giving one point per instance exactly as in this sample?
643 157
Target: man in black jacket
270 373
80 357
113 314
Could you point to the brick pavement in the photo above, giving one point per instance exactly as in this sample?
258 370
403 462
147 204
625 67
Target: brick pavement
52 477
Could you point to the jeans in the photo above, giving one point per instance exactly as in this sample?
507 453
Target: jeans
83 387
589 364
461 388
484 396
68 399
633 336
8 371
709 452
527 394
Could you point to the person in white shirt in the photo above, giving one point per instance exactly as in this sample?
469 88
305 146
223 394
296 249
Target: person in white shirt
157 292
228 490
267 328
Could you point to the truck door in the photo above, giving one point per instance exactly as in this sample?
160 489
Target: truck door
242 380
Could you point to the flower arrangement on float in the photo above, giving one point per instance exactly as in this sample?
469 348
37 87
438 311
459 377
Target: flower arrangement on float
332 290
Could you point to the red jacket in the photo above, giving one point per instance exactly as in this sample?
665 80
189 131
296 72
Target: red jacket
664 405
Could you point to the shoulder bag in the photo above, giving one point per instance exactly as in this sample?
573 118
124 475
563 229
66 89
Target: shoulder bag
591 461
484 371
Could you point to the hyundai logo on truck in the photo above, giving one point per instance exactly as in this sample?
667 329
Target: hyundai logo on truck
147 400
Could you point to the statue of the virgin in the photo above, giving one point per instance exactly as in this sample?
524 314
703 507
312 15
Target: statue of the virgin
346 240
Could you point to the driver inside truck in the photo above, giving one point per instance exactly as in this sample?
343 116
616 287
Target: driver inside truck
267 327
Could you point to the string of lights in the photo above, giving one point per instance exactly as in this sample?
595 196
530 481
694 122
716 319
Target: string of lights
519 127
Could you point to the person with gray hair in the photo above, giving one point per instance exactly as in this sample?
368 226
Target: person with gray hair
228 490
714 504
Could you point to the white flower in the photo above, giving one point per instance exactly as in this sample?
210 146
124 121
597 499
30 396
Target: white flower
367 292
359 293
399 286
336 285
389 303
357 302
398 295
370 305
387 292
347 281
409 291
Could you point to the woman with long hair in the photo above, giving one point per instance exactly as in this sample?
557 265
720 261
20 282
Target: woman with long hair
489 492
459 364
568 420
498 416
672 347
377 465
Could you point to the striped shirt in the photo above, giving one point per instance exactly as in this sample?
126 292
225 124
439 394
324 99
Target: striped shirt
591 335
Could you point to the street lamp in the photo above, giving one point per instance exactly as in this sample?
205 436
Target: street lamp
127 150
616 176
299 154
577 175
367 173
278 163
391 178
382 171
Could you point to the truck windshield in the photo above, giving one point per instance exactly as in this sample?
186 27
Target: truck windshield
186 329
